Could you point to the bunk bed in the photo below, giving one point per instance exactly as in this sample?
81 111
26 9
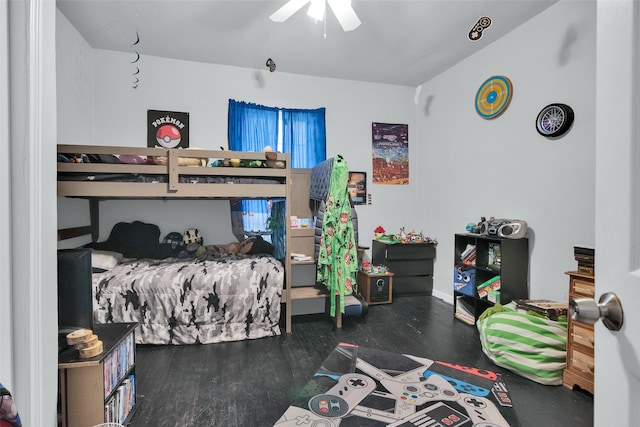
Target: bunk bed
181 301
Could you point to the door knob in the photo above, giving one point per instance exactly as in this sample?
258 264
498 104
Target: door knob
608 309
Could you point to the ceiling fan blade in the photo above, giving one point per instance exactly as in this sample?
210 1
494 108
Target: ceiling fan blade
345 14
289 8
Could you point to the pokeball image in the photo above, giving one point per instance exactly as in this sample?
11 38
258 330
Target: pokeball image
168 136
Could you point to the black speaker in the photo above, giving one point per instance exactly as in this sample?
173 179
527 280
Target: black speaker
379 289
508 228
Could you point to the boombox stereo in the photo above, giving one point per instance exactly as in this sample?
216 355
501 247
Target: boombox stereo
508 228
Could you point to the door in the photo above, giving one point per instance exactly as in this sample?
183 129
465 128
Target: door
617 236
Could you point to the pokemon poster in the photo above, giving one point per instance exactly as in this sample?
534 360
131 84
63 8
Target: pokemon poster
167 129
390 145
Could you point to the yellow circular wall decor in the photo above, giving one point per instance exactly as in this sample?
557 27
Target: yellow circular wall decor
493 97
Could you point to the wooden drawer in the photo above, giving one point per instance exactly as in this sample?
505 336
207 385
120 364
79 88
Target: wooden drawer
381 251
581 361
411 251
422 285
582 288
582 334
418 267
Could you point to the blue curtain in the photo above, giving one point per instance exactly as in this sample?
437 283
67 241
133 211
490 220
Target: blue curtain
304 136
252 127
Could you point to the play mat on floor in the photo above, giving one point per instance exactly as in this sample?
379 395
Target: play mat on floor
357 386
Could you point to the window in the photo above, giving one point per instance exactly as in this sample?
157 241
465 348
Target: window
252 127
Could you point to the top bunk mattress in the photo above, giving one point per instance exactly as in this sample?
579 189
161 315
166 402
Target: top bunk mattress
131 172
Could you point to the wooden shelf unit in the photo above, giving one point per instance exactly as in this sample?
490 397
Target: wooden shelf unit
300 277
88 386
494 256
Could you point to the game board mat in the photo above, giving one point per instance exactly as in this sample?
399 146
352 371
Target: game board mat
358 386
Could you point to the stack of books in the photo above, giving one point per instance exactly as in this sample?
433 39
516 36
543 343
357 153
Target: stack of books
492 284
548 308
585 255
468 256
464 311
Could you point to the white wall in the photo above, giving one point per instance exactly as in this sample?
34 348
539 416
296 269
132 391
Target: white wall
75 106
203 90
75 67
503 167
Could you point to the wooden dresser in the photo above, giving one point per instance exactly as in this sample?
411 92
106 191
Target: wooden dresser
580 340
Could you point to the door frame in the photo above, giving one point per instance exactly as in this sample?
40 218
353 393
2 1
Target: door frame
32 139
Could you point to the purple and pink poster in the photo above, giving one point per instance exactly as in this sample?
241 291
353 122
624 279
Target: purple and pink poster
390 147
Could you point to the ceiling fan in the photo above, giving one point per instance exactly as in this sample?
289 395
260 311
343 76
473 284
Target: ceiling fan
341 8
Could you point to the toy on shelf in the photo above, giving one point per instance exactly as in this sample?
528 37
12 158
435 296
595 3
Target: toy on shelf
374 269
379 232
402 237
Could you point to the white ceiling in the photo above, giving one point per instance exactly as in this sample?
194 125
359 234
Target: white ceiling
401 42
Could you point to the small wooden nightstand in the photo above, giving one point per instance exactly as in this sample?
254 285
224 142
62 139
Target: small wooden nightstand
376 288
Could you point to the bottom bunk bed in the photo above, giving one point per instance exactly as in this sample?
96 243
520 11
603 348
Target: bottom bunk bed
176 301
181 294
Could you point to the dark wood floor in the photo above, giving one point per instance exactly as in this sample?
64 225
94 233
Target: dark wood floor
250 383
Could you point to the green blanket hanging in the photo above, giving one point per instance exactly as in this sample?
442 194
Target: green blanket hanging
338 255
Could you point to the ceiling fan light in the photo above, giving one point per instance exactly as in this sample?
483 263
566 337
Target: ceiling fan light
340 7
345 14
317 9
287 10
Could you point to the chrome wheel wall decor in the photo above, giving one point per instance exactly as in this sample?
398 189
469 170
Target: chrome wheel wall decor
554 120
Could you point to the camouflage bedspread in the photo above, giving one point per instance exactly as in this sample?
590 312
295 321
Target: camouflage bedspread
190 301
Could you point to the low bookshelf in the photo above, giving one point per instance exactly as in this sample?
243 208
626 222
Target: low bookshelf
102 388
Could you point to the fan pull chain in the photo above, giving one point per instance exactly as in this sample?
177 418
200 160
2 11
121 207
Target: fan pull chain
324 23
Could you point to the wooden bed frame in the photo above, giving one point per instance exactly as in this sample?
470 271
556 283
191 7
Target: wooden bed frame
95 190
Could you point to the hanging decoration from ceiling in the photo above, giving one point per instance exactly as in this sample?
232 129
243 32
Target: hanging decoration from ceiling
476 31
554 120
136 78
493 97
271 65
342 9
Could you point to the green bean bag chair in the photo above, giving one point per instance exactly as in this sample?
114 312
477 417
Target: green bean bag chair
525 343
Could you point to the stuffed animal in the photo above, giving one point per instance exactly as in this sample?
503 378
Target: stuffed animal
216 251
192 235
9 416
272 160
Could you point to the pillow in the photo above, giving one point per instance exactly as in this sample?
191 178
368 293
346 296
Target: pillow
256 245
104 260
